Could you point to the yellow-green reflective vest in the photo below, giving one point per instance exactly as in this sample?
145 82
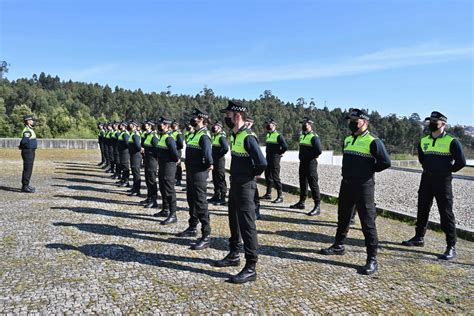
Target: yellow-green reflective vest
361 146
193 140
148 139
162 140
305 139
440 148
108 134
114 134
237 147
130 139
122 134
216 139
175 134
272 138
29 130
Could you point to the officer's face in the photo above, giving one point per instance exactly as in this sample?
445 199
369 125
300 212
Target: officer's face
436 122
30 122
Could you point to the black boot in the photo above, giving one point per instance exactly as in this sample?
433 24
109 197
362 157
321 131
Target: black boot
171 219
248 274
145 201
267 196
300 205
278 200
28 189
125 184
315 211
370 267
220 200
178 183
202 243
231 260
213 198
415 241
335 249
162 213
152 203
188 232
449 254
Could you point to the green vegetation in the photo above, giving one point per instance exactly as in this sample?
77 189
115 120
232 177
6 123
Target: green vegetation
72 109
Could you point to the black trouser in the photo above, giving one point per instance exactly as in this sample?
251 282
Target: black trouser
106 153
272 174
102 152
179 169
218 177
151 165
440 188
361 194
308 172
110 149
242 219
196 190
125 164
135 162
166 178
118 168
28 156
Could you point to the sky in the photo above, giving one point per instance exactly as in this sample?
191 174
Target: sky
392 56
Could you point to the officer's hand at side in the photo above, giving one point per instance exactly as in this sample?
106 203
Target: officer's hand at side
142 150
211 167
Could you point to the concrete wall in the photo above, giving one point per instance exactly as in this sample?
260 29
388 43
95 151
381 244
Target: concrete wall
44 143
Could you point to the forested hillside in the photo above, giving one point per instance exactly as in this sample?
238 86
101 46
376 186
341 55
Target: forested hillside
72 110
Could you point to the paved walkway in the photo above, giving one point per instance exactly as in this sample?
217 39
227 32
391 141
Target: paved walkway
80 245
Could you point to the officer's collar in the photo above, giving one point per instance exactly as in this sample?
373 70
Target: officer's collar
308 132
361 135
196 131
243 128
440 135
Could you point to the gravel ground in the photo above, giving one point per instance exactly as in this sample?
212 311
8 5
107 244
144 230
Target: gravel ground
81 246
395 190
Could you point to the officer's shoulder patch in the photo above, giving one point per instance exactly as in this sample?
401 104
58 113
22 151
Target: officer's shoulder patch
26 134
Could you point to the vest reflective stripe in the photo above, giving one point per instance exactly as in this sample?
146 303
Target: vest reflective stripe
272 138
122 134
440 148
162 140
361 146
194 139
113 134
148 139
216 139
130 139
107 135
305 139
237 147
31 131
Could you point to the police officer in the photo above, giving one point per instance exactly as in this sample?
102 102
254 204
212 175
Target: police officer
275 148
134 150
28 145
168 157
114 139
100 140
151 165
220 147
310 149
247 162
364 154
109 148
179 139
198 164
189 131
440 154
124 154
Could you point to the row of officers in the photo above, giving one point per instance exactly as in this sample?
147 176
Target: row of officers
158 146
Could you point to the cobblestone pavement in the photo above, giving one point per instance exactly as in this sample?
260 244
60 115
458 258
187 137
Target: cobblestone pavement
80 245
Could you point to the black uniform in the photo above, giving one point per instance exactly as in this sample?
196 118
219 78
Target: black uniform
151 165
275 148
310 149
28 145
436 179
198 161
134 147
116 153
179 140
220 147
100 140
167 154
110 149
247 162
358 184
124 155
